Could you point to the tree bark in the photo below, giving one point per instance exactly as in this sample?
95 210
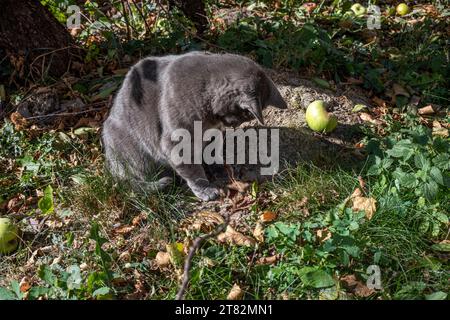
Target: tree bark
195 11
35 42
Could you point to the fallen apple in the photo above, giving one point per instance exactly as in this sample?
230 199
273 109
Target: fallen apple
318 119
358 9
402 9
8 236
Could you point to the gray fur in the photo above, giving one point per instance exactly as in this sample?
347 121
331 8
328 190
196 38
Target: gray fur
161 94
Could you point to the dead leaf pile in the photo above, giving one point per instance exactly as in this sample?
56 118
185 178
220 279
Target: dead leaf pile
204 221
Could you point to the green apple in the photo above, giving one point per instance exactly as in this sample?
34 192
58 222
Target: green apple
358 9
318 119
402 9
8 236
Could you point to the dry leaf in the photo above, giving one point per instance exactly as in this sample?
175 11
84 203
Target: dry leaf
84 266
368 118
361 203
204 221
268 216
18 120
162 259
236 293
362 183
323 234
139 218
24 284
439 130
233 237
239 186
258 233
125 256
309 6
356 287
380 102
426 110
399 90
268 260
123 230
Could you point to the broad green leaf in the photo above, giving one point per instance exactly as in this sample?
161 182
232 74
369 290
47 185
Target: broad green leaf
442 246
36 292
442 161
101 291
439 295
322 83
6 294
29 164
430 190
436 174
46 202
316 278
443 218
46 274
421 161
106 92
74 279
359 107
402 149
408 180
16 289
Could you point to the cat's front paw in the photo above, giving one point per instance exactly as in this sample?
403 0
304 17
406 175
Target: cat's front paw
206 194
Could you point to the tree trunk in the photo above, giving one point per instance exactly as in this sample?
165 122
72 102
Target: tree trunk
35 42
195 11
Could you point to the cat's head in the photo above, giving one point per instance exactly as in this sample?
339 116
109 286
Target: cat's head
254 93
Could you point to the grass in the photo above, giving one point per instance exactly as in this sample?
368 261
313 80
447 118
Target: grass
305 197
101 240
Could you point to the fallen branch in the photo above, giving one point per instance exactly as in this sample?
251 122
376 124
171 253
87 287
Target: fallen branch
188 262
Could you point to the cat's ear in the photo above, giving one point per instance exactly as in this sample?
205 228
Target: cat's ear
275 99
254 107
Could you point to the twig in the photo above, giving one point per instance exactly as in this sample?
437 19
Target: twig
62 114
188 262
127 21
141 13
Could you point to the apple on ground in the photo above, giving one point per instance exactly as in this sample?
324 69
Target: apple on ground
8 236
318 119
402 9
358 9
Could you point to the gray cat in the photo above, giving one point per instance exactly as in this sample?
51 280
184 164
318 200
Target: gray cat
161 94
